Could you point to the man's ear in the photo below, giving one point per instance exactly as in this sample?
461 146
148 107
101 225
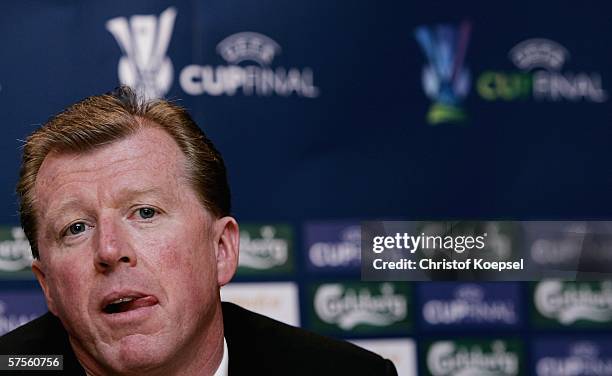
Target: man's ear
38 270
227 242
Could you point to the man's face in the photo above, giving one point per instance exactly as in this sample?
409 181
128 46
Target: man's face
131 261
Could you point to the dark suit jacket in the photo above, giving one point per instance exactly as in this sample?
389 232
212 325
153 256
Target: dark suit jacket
257 345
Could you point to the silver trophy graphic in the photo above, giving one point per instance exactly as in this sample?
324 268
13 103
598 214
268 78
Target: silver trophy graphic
144 41
445 78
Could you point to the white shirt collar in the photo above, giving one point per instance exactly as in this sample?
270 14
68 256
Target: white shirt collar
222 370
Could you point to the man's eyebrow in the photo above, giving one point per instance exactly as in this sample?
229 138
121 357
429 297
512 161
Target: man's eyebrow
122 195
131 193
64 206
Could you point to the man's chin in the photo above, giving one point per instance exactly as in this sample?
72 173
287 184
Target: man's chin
133 354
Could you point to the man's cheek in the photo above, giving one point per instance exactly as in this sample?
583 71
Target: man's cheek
162 253
169 264
72 277
181 265
66 284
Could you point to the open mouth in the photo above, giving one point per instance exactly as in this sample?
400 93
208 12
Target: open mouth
128 303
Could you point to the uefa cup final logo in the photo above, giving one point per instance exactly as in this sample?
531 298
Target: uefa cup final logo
144 41
445 79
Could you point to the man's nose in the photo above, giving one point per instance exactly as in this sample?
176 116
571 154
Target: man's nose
112 248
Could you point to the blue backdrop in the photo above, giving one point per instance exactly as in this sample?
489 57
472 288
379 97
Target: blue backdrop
339 111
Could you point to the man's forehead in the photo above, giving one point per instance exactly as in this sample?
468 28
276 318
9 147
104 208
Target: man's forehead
148 144
149 153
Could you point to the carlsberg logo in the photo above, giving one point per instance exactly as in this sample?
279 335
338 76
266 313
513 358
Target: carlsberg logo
348 307
572 301
449 358
265 252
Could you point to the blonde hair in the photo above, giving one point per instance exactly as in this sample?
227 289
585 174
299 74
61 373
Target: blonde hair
102 119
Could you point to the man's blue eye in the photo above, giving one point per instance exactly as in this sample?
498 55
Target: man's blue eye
76 228
146 213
